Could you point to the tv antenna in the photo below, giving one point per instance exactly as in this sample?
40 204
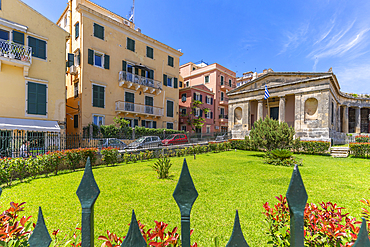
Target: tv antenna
132 12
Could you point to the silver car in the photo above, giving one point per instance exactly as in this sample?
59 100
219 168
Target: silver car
146 142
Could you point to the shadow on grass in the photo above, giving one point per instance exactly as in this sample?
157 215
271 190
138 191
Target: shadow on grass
257 155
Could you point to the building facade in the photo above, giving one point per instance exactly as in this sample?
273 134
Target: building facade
219 80
311 102
32 73
201 93
115 70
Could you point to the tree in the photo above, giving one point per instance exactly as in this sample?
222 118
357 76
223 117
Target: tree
270 134
195 116
121 122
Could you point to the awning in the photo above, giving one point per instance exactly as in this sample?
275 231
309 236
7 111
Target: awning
142 67
29 124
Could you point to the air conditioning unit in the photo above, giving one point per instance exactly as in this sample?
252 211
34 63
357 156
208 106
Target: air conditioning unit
73 70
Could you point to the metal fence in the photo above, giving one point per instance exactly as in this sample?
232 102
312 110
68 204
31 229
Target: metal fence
185 195
32 144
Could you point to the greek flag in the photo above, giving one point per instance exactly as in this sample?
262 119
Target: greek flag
267 95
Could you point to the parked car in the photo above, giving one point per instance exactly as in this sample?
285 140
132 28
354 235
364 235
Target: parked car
112 142
175 139
146 142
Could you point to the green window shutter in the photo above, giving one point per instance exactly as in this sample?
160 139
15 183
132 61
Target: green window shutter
71 58
32 98
77 30
170 61
41 49
41 99
136 71
169 109
98 31
149 52
90 57
151 74
101 97
106 61
164 79
136 122
154 124
148 100
129 97
175 82
98 96
18 37
124 65
95 96
142 123
32 44
143 73
130 44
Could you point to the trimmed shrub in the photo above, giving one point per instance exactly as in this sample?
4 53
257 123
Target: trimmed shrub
362 139
269 134
360 150
314 147
110 155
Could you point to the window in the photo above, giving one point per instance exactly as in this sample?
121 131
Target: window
98 59
170 126
148 124
222 112
149 52
77 58
77 30
183 111
130 44
170 61
209 100
38 47
169 81
198 130
197 112
230 83
170 108
75 121
76 90
222 96
183 127
98 120
18 37
187 84
98 96
149 105
183 97
208 115
132 122
206 79
222 80
198 96
208 129
98 31
180 84
36 98
4 34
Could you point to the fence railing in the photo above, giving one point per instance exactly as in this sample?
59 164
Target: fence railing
137 108
125 76
13 50
185 195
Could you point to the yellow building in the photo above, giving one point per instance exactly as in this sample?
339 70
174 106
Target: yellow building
115 70
32 72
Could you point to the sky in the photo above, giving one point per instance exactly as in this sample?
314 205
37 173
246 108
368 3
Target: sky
245 35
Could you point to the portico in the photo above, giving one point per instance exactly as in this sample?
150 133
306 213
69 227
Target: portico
310 102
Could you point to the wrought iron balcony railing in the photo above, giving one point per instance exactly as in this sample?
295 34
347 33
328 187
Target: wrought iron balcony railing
223 116
11 50
125 76
137 108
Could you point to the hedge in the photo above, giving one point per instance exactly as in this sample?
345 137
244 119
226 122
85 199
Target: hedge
362 139
360 149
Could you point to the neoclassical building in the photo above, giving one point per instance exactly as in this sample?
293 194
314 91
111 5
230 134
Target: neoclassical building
311 102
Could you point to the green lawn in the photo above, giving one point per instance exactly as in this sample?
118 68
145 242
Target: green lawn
225 182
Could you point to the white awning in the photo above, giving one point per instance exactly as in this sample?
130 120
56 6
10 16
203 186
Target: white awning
29 124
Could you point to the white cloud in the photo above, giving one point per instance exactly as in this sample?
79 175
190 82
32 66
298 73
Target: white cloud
294 39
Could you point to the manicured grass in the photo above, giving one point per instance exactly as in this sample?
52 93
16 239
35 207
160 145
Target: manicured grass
225 182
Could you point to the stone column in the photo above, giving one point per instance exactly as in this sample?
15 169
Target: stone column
246 115
230 115
358 120
260 109
339 120
282 109
345 118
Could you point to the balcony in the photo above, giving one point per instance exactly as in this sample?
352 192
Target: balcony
224 101
223 116
131 80
128 107
15 54
227 87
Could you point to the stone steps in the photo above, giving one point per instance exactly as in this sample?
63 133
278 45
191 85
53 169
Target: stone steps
339 152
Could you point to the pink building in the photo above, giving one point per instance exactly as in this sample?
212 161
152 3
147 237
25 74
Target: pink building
203 94
219 80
